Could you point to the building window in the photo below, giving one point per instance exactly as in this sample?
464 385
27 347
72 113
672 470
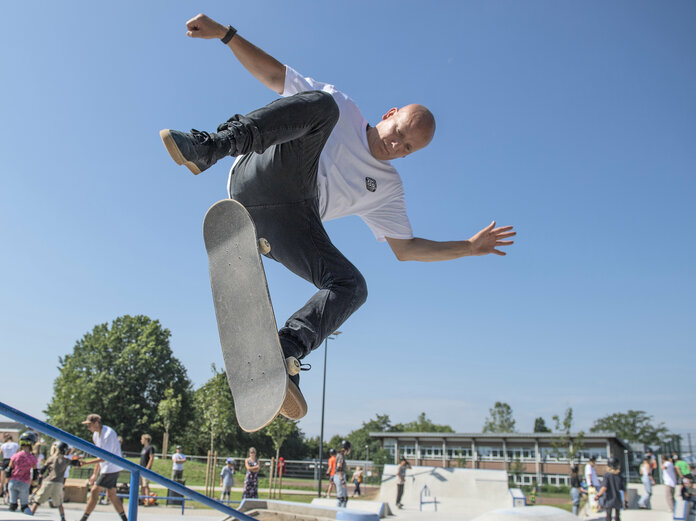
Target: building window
599 452
485 453
408 451
521 453
430 451
458 452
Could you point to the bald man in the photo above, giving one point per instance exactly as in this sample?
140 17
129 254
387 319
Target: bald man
309 157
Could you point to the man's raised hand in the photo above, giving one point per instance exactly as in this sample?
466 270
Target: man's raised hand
490 238
202 26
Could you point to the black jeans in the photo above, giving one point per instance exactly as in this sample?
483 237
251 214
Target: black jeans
277 182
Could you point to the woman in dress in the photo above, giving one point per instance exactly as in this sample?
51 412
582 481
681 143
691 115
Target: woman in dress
251 480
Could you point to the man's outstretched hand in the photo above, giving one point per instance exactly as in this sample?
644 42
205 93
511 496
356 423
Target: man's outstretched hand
490 238
202 26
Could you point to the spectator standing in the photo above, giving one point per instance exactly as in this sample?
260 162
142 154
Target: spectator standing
340 475
653 462
9 448
612 488
251 479
178 460
648 481
331 471
682 467
357 479
57 465
591 478
147 457
227 479
576 488
21 466
105 475
669 478
401 480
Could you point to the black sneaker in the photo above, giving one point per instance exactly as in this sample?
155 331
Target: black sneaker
197 151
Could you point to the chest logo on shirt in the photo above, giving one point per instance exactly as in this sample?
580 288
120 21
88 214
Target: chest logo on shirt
370 184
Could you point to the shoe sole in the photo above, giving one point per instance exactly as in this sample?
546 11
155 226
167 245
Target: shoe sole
294 407
176 154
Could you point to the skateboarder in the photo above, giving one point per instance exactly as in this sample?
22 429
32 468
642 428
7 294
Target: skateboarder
308 157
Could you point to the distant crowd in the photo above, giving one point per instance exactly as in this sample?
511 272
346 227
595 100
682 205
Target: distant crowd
609 494
30 478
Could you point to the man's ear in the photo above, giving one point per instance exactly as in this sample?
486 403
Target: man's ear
391 112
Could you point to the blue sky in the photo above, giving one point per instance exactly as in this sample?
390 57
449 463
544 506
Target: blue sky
573 121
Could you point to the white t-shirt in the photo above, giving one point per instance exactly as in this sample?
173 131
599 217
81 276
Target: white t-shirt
350 180
669 476
108 440
178 461
9 449
591 476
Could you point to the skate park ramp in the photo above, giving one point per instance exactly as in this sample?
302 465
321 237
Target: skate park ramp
465 491
538 513
274 510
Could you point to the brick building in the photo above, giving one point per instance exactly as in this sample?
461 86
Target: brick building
527 457
14 429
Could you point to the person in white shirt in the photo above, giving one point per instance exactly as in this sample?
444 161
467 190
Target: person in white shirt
105 475
310 157
178 460
591 477
9 448
669 478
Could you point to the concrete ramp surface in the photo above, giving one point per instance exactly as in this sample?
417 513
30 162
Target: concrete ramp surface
540 513
470 491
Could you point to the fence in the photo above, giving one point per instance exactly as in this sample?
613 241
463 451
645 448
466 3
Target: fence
293 469
135 470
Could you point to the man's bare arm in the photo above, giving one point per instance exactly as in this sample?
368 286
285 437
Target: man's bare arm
261 65
484 242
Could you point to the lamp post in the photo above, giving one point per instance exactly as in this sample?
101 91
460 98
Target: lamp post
367 457
323 402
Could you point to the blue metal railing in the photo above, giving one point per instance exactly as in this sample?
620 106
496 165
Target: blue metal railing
135 470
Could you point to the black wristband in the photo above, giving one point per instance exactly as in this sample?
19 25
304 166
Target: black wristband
231 31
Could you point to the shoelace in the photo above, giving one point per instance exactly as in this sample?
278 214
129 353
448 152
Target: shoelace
202 136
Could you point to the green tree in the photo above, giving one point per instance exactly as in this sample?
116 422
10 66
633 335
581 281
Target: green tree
120 371
215 410
500 419
279 430
540 425
632 426
422 424
360 438
567 446
168 410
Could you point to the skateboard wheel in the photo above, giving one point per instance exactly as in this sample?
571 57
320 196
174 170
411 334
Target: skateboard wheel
263 245
293 365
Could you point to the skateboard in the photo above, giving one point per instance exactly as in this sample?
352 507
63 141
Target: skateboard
257 371
592 499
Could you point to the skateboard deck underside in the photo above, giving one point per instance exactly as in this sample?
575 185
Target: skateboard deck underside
251 350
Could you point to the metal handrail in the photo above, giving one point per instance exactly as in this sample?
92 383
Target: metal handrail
135 469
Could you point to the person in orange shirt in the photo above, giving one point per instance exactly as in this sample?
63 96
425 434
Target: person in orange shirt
331 471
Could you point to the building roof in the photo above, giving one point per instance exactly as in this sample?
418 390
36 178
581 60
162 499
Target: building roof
11 427
517 436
